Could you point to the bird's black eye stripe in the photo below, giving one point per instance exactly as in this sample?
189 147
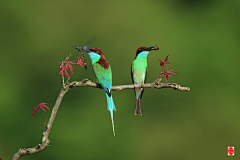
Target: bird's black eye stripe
94 51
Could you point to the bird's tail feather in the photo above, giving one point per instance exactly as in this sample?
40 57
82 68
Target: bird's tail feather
111 107
138 110
113 127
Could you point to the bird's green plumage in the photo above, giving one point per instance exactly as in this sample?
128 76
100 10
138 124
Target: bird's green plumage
104 76
139 72
103 73
139 69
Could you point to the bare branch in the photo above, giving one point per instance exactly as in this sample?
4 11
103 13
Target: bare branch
85 82
45 141
156 84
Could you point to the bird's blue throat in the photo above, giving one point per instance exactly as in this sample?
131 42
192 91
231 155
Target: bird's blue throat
143 54
94 57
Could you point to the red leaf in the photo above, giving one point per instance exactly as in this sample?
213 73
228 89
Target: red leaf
161 63
33 114
45 106
79 62
166 59
66 66
41 104
167 73
70 67
66 72
166 78
61 70
34 109
70 62
161 74
42 108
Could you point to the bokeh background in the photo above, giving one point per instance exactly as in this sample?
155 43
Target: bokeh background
202 39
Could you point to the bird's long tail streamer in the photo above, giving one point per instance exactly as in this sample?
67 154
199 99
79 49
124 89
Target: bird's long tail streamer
111 107
113 127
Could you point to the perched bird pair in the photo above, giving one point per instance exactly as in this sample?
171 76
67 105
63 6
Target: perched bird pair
103 73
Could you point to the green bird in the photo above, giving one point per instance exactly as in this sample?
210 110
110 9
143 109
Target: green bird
139 74
103 73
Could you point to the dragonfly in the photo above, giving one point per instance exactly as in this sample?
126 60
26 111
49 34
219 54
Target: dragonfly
85 49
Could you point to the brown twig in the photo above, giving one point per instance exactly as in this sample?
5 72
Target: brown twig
85 82
156 84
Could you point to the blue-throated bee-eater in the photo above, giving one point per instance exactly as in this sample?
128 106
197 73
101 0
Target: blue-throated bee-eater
139 73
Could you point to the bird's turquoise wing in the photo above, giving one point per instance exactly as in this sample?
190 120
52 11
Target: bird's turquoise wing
104 76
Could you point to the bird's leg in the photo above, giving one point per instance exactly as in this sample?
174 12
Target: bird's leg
97 82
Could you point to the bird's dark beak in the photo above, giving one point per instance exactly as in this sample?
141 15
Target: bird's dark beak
153 48
86 50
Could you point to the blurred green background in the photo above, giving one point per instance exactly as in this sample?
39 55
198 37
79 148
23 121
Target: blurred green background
202 39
